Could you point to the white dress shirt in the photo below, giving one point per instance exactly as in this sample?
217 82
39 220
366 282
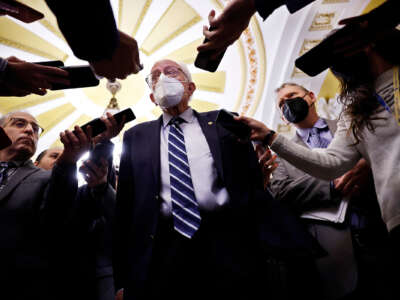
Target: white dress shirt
203 171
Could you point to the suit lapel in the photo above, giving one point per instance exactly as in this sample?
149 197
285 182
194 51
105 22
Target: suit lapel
208 126
154 149
17 178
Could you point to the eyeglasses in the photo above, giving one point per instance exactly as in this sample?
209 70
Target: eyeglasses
169 71
22 123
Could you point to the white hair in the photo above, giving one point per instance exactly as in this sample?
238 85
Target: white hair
185 70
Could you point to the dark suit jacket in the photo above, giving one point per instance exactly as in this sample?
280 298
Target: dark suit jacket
34 205
87 246
138 202
303 192
88 26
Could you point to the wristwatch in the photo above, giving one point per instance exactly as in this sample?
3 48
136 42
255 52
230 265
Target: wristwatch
267 138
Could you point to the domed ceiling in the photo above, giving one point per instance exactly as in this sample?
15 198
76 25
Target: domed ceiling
244 82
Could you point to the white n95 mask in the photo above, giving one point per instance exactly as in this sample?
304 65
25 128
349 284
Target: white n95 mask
168 91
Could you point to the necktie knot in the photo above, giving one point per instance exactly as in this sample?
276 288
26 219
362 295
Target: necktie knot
176 121
4 165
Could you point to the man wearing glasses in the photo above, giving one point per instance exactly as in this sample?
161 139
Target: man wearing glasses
192 216
33 205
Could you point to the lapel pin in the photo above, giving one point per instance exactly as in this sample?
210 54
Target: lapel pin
210 123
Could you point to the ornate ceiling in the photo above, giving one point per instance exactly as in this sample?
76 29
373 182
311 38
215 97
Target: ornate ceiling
250 71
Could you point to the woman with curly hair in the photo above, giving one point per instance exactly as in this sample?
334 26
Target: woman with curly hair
369 126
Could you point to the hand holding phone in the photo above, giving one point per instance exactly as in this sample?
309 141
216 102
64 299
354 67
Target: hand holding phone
226 120
205 60
79 76
20 11
101 151
99 127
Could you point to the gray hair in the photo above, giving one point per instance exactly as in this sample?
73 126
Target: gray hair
185 70
4 118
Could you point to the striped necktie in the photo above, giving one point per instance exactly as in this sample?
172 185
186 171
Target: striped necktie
3 172
185 209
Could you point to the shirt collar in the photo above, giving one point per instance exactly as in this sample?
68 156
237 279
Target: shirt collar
187 116
303 133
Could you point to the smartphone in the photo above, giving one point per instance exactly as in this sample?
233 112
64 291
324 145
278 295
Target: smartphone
204 61
79 76
226 120
4 139
50 63
20 11
98 125
101 150
322 56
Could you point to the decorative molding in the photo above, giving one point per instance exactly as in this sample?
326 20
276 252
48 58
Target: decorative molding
162 32
141 17
9 104
307 45
16 36
322 21
335 1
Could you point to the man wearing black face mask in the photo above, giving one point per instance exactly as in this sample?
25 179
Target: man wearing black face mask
345 271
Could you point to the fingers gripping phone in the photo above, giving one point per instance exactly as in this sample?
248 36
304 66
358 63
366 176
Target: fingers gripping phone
98 125
79 76
102 151
226 120
204 61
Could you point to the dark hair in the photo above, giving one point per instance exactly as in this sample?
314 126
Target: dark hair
357 86
40 156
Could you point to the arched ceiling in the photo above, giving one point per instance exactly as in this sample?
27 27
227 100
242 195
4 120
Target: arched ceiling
244 82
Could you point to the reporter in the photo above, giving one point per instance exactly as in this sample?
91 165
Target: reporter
21 78
368 127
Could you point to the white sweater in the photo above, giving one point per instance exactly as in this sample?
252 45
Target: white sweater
380 148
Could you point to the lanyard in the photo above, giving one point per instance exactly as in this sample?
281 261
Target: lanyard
382 102
396 94
396 89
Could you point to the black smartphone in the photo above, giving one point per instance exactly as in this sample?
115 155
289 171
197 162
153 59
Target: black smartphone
101 150
204 61
50 63
322 56
79 76
98 125
4 139
226 120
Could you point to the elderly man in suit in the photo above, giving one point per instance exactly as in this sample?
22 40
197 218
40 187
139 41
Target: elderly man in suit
33 205
192 218
349 268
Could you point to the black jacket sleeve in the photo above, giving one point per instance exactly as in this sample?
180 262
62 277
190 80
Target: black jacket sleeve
88 26
266 7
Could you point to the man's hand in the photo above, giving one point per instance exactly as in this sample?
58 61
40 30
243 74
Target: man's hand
124 61
228 26
258 129
267 163
75 144
355 180
95 175
112 129
22 78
